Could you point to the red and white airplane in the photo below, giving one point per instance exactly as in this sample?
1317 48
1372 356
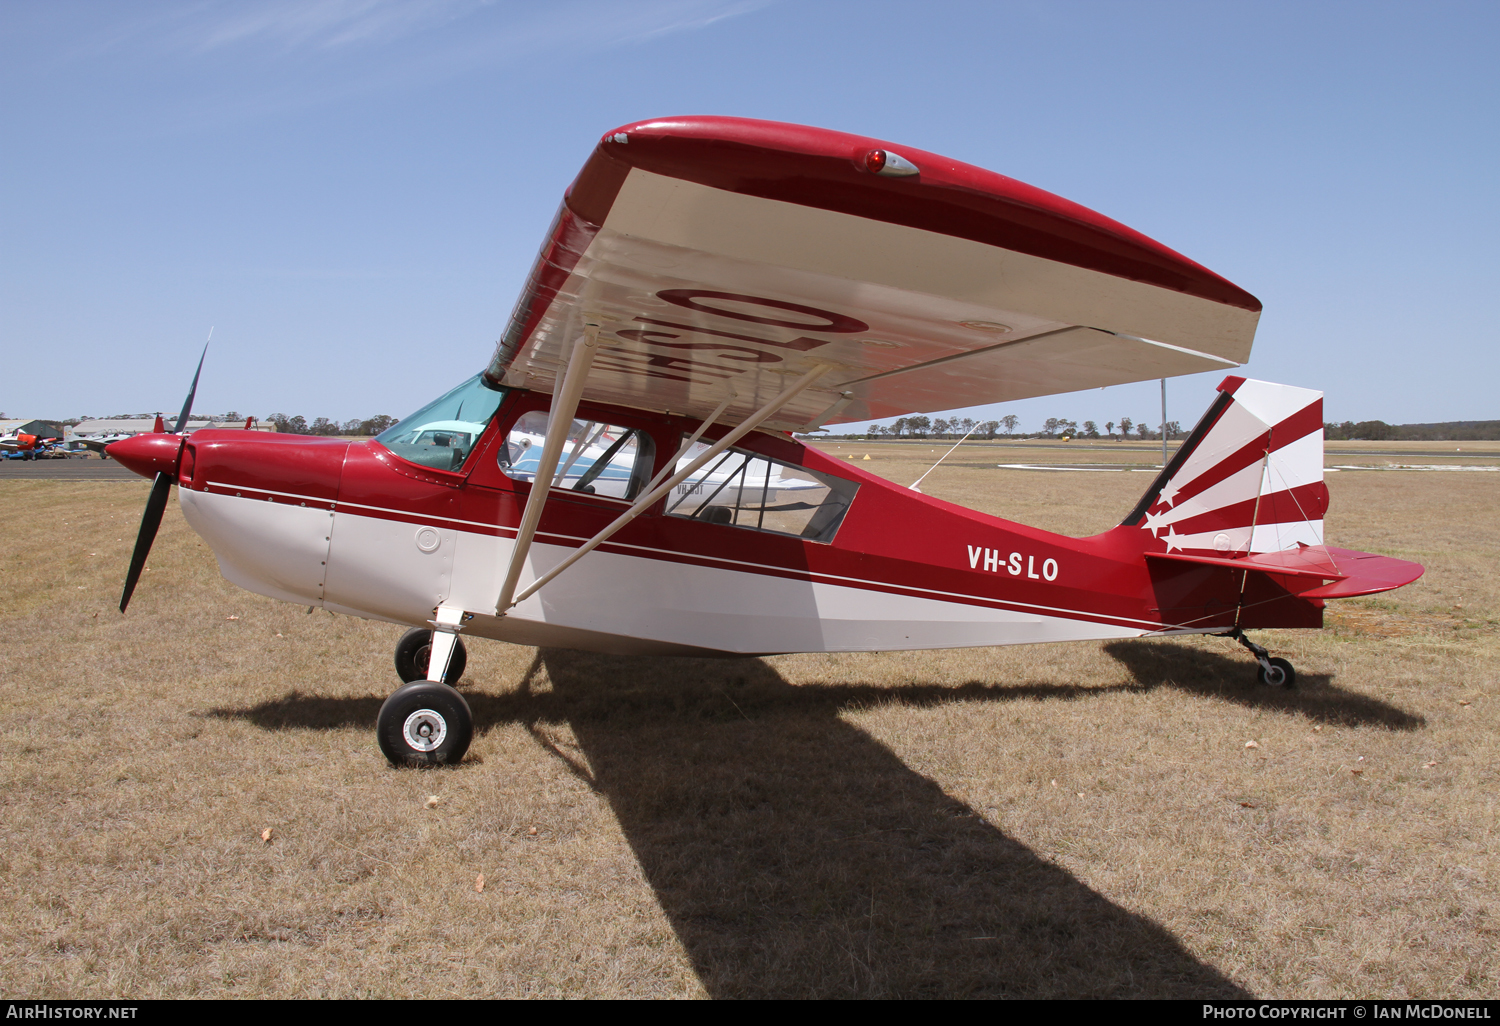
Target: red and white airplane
622 476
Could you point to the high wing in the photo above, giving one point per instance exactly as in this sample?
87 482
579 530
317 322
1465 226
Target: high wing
724 256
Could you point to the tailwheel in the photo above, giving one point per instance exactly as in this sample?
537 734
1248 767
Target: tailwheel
424 723
1272 672
1278 673
414 652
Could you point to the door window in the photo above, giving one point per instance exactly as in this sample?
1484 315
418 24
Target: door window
597 458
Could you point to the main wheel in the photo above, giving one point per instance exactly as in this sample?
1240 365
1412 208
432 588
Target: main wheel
414 652
424 724
1281 674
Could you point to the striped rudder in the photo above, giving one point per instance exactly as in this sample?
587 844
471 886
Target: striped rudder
1248 479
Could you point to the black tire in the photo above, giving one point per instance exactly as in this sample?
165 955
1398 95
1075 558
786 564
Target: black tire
424 724
414 650
1282 674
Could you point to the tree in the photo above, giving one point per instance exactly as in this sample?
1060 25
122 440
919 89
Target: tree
899 426
918 426
324 426
968 425
1010 420
1125 423
1143 430
1109 428
1050 426
376 424
1174 429
940 427
989 428
1090 429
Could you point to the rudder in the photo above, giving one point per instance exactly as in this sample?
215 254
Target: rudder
1248 479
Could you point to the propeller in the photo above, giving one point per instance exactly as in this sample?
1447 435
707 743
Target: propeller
161 489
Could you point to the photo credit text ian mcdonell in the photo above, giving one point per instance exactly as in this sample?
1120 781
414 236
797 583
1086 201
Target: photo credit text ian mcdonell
1346 1011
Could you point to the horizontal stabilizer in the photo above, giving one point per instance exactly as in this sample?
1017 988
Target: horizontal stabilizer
1301 562
1349 573
1368 574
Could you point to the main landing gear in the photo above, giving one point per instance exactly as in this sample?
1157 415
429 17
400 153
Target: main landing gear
425 722
1273 671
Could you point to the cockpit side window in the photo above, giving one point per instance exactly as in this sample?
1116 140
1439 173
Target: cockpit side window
597 459
442 434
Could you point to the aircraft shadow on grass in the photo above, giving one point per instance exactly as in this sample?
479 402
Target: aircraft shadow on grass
797 856
1231 677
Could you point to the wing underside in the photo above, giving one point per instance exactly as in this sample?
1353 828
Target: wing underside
722 256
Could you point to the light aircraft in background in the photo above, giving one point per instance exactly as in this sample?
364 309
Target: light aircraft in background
623 476
23 446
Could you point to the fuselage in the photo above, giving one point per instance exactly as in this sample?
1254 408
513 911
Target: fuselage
354 528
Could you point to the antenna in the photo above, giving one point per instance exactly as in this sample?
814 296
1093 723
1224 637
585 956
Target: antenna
913 486
1164 423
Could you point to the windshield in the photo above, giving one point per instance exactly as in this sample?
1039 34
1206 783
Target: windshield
443 433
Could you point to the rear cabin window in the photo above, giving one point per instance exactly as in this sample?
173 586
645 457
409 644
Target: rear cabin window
597 458
745 489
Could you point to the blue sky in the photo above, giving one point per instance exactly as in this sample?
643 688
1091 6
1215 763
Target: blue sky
352 191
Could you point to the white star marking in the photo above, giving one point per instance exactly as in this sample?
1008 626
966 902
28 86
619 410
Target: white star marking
1169 491
1172 539
1153 521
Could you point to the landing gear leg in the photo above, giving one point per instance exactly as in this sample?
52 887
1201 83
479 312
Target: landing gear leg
414 654
1274 671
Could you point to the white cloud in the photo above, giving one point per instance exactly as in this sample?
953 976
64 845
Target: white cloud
325 28
318 24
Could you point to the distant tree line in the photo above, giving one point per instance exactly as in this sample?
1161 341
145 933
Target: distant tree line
1380 431
298 425
291 425
1053 427
920 427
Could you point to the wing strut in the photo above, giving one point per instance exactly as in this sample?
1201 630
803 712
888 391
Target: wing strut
559 426
649 499
687 443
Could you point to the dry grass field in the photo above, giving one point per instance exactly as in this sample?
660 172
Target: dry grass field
1085 820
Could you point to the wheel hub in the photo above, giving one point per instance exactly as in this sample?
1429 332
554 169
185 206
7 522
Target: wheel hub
425 730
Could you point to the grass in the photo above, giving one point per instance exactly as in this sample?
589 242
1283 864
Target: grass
1061 820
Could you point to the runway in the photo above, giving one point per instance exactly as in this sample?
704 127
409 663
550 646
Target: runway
65 470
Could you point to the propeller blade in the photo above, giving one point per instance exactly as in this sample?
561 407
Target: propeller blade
187 407
150 521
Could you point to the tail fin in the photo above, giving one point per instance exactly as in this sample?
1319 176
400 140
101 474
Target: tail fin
1248 479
